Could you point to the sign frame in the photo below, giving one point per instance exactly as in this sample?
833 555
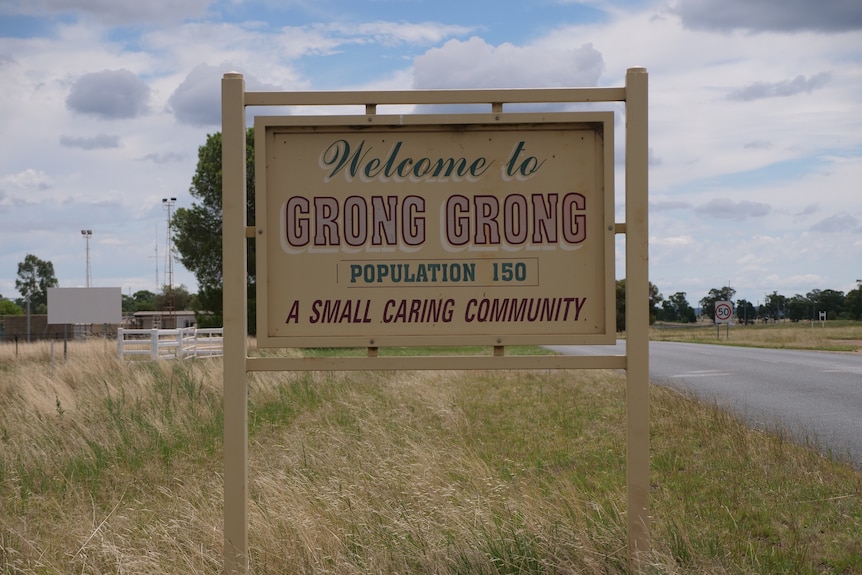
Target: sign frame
236 233
600 235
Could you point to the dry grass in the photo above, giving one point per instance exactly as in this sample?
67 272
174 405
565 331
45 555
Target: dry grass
108 467
827 336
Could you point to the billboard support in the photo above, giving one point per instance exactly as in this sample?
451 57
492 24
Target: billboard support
589 202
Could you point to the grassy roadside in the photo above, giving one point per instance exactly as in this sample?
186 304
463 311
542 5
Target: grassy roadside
827 336
108 467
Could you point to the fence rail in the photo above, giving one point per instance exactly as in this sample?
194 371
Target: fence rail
158 344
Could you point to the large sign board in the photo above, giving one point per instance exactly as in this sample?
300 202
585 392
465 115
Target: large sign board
433 230
85 305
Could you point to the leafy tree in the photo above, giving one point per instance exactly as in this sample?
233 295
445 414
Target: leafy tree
180 295
677 309
198 229
799 308
621 305
774 306
35 276
828 300
707 304
853 303
745 311
8 307
655 299
145 300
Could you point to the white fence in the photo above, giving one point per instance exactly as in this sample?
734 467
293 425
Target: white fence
170 343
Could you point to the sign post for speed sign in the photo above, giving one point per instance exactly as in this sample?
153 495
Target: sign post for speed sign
723 313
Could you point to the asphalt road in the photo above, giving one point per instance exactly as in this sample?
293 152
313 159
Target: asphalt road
816 396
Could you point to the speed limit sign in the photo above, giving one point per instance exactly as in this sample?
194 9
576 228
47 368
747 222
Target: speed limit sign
723 311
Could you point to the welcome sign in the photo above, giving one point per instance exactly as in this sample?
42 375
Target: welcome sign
395 230
449 230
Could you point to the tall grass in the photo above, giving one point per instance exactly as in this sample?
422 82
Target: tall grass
110 467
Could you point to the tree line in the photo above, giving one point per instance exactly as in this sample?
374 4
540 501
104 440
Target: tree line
676 308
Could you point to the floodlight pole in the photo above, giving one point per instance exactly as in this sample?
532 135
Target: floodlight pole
87 234
168 203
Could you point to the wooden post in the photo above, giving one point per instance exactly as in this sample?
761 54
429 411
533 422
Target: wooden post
637 315
235 326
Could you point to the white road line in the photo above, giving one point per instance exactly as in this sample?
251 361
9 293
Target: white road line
705 373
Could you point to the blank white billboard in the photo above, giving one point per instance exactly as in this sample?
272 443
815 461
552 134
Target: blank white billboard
85 305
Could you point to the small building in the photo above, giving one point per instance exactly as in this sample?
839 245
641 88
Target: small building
162 319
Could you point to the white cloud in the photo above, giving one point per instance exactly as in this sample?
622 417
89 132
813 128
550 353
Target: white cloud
671 241
476 64
23 187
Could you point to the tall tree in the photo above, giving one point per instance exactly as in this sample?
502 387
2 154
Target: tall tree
655 299
179 294
853 302
774 305
198 229
799 308
144 300
35 276
745 311
827 300
676 308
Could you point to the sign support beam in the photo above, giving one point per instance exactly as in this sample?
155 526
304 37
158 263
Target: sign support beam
235 326
637 314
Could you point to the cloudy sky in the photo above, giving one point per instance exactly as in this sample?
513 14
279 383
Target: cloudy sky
755 116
